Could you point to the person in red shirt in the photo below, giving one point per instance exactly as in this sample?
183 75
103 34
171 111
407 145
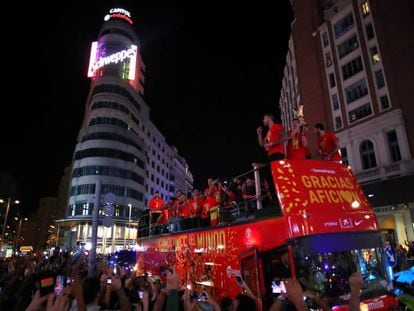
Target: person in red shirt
163 219
297 147
328 144
185 213
196 204
156 202
212 203
154 206
274 141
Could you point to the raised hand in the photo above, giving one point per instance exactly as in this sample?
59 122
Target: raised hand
173 281
60 303
294 293
37 302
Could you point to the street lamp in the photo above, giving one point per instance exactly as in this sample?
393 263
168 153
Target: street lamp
18 230
129 226
5 218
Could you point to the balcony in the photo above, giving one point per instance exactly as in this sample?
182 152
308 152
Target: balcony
383 172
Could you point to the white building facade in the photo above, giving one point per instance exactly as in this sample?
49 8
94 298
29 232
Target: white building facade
118 144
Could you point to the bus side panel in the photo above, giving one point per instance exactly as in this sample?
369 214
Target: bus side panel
210 258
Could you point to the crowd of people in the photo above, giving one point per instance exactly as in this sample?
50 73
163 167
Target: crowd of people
215 204
60 282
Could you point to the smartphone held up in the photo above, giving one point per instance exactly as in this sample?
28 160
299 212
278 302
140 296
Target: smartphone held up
278 287
239 280
46 285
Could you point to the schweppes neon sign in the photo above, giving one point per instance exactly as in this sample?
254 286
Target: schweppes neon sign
96 62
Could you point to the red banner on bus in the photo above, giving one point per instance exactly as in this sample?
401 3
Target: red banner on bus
321 197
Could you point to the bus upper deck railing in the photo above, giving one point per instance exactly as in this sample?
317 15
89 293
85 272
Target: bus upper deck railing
246 198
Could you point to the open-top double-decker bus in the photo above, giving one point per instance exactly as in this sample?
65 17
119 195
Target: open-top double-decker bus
326 231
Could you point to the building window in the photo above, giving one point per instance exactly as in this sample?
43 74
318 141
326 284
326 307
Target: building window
158 181
325 39
355 91
152 191
359 113
385 104
116 89
117 190
344 155
393 146
111 136
343 25
110 105
366 150
375 58
332 82
152 177
352 68
108 153
369 31
379 77
152 164
85 211
365 8
335 102
328 59
107 171
338 122
348 46
108 121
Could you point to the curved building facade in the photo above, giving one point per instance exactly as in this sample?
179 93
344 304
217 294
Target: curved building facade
117 143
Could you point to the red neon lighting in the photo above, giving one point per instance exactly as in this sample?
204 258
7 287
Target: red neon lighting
121 16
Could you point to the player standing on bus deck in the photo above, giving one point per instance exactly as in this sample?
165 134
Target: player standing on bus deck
328 144
156 202
297 147
274 142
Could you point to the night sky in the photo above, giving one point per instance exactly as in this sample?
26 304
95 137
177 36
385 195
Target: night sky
212 71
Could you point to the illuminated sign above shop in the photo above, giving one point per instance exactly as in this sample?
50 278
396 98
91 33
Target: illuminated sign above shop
98 61
118 13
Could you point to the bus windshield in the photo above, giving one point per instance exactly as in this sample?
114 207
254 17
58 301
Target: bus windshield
324 264
327 273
